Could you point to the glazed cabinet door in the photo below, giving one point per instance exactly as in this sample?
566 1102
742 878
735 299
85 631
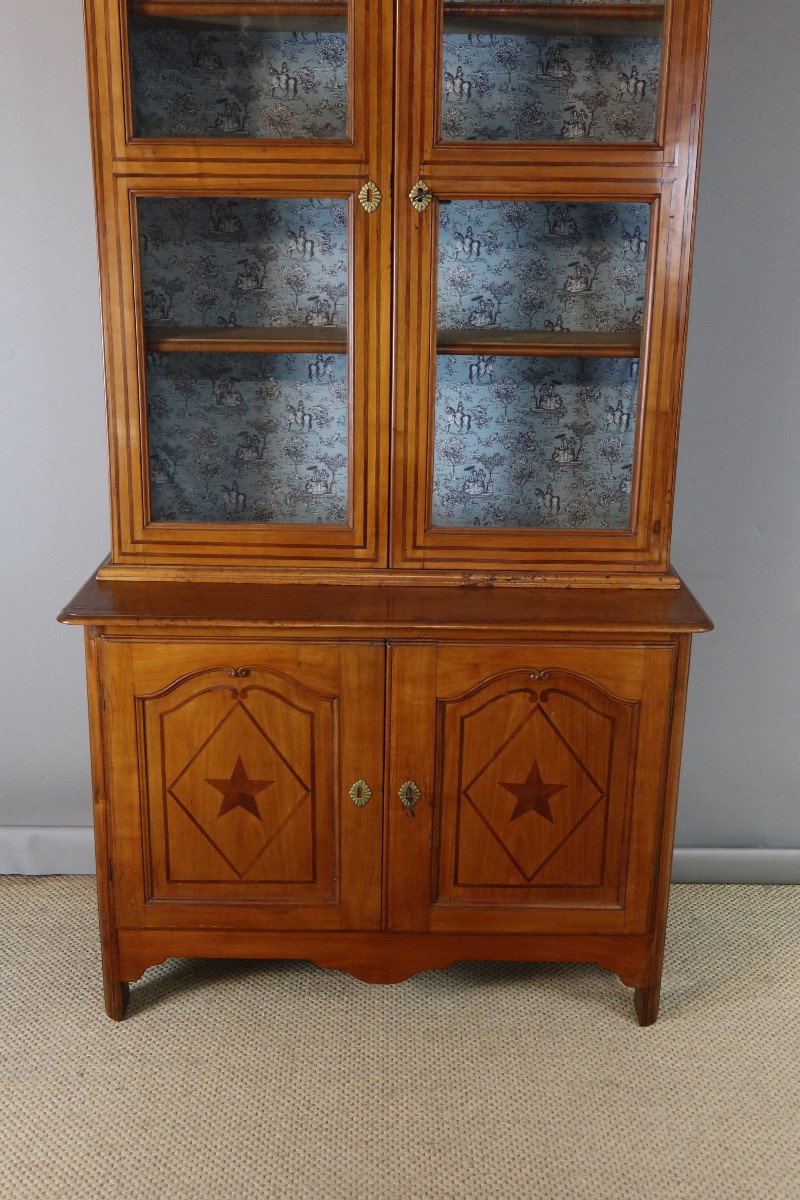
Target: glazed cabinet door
525 786
245 783
545 162
243 174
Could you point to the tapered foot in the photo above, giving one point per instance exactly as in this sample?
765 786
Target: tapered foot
116 998
646 1001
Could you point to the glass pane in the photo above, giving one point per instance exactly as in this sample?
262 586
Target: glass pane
248 438
262 75
223 263
540 309
537 443
245 307
539 77
558 267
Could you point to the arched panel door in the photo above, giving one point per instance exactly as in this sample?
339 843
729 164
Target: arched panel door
253 764
540 777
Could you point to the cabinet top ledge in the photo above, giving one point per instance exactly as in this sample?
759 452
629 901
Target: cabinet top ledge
384 609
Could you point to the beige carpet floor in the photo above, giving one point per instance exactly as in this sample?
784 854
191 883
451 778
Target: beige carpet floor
483 1082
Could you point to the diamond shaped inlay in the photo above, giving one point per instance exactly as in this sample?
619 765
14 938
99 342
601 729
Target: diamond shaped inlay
218 767
512 792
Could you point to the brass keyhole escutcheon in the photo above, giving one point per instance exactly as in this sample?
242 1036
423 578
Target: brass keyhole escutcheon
360 793
420 195
370 196
409 795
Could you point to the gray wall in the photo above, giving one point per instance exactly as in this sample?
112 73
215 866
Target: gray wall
738 505
54 482
737 521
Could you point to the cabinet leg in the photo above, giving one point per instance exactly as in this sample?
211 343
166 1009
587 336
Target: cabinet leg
116 997
646 1001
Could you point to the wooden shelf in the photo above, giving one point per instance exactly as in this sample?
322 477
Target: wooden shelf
280 340
536 343
632 20
326 16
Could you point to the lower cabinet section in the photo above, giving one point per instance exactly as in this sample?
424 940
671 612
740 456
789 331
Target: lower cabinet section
385 806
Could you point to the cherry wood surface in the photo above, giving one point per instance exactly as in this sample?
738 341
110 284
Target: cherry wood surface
412 611
541 774
538 342
605 13
115 987
321 15
241 341
385 957
559 20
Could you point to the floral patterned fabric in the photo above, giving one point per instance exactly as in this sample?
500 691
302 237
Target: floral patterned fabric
534 443
196 80
545 88
537 442
248 437
521 265
223 262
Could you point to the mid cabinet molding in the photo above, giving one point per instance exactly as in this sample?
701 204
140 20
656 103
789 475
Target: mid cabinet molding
387 665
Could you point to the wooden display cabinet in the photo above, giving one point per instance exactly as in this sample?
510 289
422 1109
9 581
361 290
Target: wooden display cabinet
387 665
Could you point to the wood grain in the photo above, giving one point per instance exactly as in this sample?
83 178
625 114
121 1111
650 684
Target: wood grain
319 15
556 20
239 756
386 610
115 989
470 719
384 957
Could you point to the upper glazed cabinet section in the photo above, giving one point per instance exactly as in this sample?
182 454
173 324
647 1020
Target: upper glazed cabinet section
219 78
267 81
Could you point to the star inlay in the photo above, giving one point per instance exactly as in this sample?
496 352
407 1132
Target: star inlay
239 791
534 794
